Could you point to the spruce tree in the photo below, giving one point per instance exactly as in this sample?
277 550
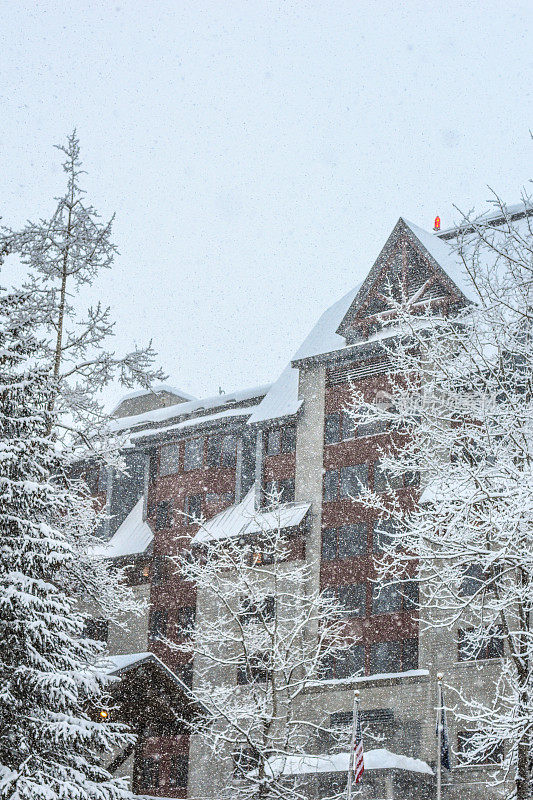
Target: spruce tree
52 742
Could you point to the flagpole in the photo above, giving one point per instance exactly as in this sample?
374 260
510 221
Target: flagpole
439 734
352 743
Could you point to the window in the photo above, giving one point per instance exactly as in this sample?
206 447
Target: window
220 497
385 480
288 439
346 482
259 556
214 449
351 540
348 426
344 542
329 544
152 466
158 623
284 489
185 620
331 484
345 664
193 454
179 771
229 451
396 656
466 745
410 654
192 509
96 629
469 647
338 426
274 442
384 530
394 597
410 595
386 598
371 427
163 515
169 459
411 478
472 581
332 428
221 451
149 773
352 480
159 569
352 598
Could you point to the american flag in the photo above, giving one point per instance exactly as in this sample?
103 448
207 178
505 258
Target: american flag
358 757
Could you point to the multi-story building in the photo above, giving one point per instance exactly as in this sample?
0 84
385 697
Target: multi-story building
208 456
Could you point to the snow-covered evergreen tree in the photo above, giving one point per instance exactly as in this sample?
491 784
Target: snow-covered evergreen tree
461 403
262 635
51 740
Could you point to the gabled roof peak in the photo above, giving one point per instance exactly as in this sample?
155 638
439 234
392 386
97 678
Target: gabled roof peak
417 261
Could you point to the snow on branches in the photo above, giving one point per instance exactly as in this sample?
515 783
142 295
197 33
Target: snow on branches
261 636
63 254
460 416
51 745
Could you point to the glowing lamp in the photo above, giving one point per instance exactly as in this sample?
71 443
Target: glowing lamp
104 714
436 226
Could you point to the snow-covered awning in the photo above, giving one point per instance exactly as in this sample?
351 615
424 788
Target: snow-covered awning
244 519
132 537
118 665
339 762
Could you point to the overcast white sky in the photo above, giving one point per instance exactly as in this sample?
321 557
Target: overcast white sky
258 154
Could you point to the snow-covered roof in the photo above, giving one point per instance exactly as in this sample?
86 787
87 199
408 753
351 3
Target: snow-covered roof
445 256
229 413
190 407
243 518
282 398
132 537
339 762
159 387
153 390
118 664
513 210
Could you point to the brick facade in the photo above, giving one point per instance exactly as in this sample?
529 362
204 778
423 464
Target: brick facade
203 456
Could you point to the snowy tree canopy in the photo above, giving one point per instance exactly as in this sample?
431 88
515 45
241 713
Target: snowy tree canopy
460 414
259 625
51 741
